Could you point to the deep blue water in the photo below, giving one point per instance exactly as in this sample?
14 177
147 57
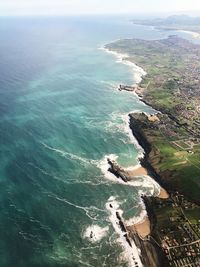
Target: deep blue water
60 115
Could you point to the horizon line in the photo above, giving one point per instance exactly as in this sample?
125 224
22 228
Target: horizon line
183 12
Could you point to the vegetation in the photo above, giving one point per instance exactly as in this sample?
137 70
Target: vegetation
171 139
172 86
173 75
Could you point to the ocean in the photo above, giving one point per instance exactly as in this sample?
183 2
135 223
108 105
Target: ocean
61 116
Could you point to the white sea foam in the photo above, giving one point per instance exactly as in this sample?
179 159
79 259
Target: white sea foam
129 133
92 212
124 127
71 156
138 218
104 166
130 254
132 168
150 187
138 72
147 185
101 164
94 233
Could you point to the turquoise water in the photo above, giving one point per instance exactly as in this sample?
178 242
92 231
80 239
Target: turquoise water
61 114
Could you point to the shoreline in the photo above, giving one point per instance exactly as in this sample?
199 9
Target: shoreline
162 136
139 170
195 35
123 58
141 230
143 226
142 166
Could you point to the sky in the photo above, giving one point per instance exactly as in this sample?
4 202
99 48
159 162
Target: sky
71 7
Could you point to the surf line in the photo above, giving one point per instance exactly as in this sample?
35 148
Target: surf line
133 253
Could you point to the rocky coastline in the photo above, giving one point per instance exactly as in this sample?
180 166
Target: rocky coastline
151 253
136 128
171 143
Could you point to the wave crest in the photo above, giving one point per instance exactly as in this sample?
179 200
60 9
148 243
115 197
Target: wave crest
94 233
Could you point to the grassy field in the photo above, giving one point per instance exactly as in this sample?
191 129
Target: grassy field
184 165
172 67
172 86
193 215
176 165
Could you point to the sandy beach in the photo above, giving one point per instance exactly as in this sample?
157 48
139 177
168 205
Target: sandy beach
138 171
194 34
142 228
163 194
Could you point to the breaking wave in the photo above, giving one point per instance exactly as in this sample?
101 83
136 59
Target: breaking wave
94 233
65 154
130 253
138 72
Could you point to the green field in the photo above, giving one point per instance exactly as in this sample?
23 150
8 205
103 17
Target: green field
171 86
179 167
172 79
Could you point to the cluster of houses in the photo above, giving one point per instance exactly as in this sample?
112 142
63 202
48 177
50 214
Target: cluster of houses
191 255
180 240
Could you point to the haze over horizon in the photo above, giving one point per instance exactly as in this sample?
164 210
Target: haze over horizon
85 7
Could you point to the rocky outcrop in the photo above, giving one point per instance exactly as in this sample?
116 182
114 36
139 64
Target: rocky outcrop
118 171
